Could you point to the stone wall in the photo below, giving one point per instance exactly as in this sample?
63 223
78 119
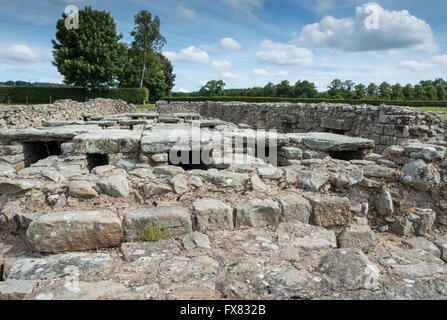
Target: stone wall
386 125
26 116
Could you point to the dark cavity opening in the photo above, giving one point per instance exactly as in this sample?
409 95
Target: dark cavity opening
347 155
336 131
190 159
35 151
96 159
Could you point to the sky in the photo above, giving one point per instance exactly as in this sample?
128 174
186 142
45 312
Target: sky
249 43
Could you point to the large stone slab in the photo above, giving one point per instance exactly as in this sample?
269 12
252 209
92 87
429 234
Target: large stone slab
108 141
74 231
57 265
330 210
334 142
46 134
16 289
307 237
212 214
176 220
257 213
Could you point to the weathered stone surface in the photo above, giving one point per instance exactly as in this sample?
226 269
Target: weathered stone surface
16 289
212 214
107 141
330 210
442 245
152 189
257 213
82 189
425 221
196 240
334 142
168 170
307 236
257 184
350 268
377 171
74 231
179 184
312 179
295 208
235 289
56 265
413 263
183 270
176 220
16 186
146 251
401 226
423 244
384 204
420 176
116 185
357 236
193 293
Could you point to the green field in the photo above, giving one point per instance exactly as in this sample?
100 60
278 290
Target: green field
443 115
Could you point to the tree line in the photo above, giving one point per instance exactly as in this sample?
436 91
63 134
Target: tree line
92 56
337 89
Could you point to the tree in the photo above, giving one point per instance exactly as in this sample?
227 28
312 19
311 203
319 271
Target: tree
397 92
283 89
147 38
92 55
384 90
168 71
347 88
371 90
419 92
441 92
336 89
360 91
269 90
407 91
431 92
212 88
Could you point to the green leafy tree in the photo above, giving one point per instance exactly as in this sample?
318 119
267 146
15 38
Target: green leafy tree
431 92
283 89
348 87
147 38
92 55
212 88
408 93
397 92
385 90
168 71
336 89
360 91
372 90
269 90
441 92
419 92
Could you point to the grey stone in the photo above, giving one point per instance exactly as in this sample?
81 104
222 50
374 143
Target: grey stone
295 208
384 204
420 176
81 189
307 236
257 213
107 141
357 236
350 268
423 244
196 240
147 251
152 189
330 210
16 289
116 185
74 231
334 142
176 220
212 214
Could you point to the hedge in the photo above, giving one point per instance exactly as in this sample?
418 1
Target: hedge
410 103
49 94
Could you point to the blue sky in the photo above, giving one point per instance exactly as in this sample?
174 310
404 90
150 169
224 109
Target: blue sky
251 42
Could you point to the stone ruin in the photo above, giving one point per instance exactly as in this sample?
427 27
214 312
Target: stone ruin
259 201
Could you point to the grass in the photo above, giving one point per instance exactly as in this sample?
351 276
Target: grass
145 106
443 115
154 233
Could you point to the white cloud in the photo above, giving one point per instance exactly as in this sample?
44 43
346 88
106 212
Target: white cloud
221 64
182 90
278 53
440 59
396 30
229 76
189 55
265 73
414 66
187 14
19 53
229 43
246 6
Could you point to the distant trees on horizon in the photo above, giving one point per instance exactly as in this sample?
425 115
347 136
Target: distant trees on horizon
337 89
